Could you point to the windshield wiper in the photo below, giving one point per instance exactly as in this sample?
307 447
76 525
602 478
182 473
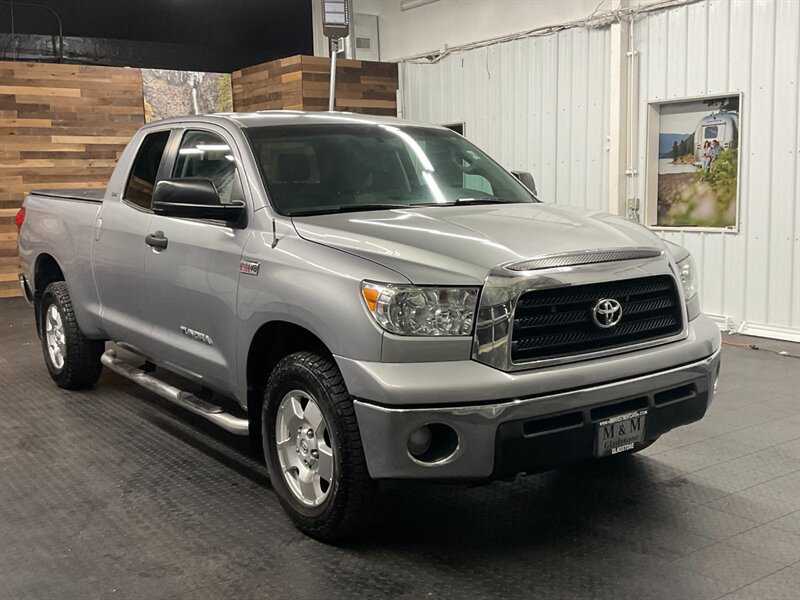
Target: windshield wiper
466 201
482 200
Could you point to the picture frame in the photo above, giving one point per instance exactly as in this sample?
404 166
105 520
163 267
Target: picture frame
691 182
169 93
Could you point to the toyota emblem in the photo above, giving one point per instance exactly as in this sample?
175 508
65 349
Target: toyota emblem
606 313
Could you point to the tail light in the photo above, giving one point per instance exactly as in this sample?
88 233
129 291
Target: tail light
20 218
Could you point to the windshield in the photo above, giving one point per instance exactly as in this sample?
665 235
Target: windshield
316 169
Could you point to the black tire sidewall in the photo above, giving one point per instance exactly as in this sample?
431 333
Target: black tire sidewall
82 366
50 299
288 377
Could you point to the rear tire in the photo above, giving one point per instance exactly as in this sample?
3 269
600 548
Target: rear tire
318 470
72 359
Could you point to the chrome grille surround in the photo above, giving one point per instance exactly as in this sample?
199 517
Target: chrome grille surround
584 257
503 287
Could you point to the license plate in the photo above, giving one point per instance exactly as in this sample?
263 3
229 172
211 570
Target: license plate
620 433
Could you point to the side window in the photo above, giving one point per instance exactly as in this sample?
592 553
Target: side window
142 179
207 155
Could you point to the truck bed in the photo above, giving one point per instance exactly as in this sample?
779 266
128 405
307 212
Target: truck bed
82 195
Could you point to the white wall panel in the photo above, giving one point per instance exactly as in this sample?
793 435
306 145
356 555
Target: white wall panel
721 46
542 104
537 104
428 28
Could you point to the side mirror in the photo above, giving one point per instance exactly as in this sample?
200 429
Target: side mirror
525 179
193 198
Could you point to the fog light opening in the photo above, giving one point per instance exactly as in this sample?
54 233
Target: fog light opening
432 443
419 442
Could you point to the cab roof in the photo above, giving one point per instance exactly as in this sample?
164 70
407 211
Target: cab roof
268 118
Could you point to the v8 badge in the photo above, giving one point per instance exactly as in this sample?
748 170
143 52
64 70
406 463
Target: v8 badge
249 267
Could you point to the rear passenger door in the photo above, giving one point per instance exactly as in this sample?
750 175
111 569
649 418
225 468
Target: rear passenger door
118 253
193 282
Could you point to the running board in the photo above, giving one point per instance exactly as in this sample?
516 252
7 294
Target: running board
182 398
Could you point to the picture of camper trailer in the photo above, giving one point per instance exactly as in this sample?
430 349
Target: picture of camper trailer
698 163
722 127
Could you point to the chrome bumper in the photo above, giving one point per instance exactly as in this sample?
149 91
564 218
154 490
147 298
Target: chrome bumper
385 431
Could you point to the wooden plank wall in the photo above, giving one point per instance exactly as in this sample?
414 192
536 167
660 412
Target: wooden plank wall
61 126
64 126
275 85
302 82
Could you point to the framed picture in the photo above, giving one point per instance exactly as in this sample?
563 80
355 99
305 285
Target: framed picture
181 93
693 163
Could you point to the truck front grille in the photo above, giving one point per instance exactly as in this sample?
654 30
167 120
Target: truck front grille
559 321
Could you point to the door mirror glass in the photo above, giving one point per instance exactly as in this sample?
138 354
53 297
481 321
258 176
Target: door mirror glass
194 198
525 179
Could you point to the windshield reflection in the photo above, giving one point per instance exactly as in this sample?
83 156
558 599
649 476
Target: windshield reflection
348 167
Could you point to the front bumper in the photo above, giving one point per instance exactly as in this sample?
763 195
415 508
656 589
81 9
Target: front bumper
540 430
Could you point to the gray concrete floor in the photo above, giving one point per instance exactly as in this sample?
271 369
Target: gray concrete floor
111 493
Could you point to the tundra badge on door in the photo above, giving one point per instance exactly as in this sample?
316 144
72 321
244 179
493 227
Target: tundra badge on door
198 335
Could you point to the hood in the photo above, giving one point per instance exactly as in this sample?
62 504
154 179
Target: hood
458 245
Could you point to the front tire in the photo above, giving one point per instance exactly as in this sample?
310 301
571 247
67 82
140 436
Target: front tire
313 451
72 359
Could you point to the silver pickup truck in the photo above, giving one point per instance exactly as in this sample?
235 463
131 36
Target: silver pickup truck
373 299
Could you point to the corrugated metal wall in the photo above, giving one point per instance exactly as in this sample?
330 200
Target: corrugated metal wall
751 46
537 104
542 104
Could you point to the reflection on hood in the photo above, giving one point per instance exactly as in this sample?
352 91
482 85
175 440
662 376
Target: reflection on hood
458 245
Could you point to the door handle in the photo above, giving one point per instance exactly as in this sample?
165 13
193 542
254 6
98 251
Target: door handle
156 240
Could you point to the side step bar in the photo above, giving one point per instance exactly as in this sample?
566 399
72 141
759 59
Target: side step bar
182 398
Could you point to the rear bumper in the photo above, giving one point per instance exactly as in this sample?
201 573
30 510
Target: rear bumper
532 433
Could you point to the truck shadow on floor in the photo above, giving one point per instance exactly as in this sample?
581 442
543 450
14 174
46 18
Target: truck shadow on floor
551 510
232 451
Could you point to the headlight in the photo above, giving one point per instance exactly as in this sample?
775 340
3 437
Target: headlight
688 276
421 310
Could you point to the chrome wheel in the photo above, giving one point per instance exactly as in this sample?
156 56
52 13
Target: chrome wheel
55 337
303 444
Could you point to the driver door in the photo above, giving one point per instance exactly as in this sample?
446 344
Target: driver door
193 280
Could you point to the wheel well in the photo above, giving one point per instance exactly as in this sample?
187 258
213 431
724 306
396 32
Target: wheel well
272 342
46 271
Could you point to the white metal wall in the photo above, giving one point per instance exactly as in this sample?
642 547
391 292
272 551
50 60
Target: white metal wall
537 104
541 104
752 46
